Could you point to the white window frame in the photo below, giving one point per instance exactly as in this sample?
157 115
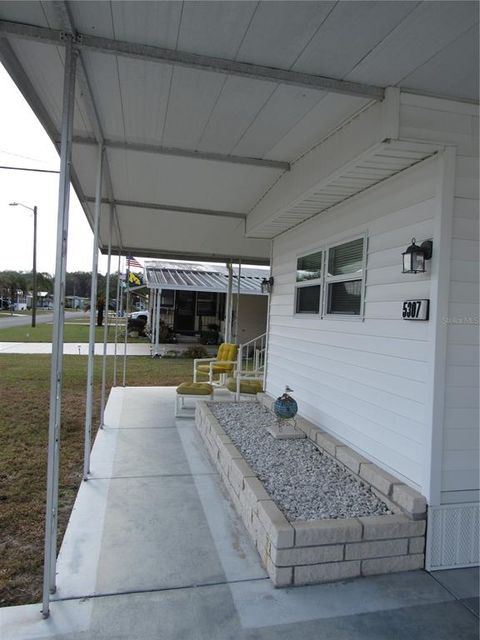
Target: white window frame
347 277
324 280
314 282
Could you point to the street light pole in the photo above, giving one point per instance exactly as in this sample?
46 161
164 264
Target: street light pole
34 269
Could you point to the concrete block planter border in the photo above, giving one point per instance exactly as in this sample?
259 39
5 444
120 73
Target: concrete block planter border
324 550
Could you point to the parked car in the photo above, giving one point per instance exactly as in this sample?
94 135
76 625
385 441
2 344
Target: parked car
140 315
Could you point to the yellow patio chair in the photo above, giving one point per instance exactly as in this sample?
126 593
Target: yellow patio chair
223 363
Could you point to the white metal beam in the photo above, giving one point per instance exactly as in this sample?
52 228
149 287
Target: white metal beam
118 310
169 207
193 60
92 323
185 153
105 320
56 370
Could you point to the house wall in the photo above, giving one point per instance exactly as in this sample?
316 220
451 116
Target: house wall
366 382
456 124
460 462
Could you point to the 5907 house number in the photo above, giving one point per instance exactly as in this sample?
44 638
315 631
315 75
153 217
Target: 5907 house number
415 309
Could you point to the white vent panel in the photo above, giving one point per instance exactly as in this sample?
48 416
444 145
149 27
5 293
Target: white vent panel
380 163
453 536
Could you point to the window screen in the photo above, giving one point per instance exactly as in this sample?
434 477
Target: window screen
308 299
167 298
309 267
346 258
206 303
345 297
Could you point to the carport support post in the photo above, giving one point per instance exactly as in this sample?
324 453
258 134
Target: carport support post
153 315
228 306
237 306
157 322
50 557
105 325
151 295
92 328
125 344
117 312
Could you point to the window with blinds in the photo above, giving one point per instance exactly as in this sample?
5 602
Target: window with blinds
345 297
309 267
308 299
330 281
346 258
344 278
309 283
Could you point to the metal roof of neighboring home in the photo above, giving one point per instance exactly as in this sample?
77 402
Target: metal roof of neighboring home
202 277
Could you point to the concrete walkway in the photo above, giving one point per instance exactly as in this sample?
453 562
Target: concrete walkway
75 349
155 551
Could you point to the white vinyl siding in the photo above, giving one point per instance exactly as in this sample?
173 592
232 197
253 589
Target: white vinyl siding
457 124
364 382
460 464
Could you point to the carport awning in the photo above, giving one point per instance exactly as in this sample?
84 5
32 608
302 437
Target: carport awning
206 108
202 278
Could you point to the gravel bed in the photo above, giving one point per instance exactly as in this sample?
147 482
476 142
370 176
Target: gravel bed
305 483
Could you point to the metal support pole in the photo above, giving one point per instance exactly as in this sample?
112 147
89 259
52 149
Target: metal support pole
117 312
237 306
157 322
49 570
127 306
267 336
34 270
152 320
105 326
92 328
229 305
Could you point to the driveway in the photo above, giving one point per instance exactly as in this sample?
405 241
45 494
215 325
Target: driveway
7 321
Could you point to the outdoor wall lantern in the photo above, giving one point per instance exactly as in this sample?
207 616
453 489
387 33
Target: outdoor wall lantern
415 255
267 285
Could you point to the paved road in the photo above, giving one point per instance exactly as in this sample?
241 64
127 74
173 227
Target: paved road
7 321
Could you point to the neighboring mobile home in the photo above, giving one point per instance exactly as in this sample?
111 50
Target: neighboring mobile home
192 299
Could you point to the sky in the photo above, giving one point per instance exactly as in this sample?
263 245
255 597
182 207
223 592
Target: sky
24 143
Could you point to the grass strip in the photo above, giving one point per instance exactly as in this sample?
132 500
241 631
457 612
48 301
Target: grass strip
24 402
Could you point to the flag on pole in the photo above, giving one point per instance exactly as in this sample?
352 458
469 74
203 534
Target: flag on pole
135 279
133 262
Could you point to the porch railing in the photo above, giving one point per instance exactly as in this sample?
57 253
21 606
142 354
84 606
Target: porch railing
251 361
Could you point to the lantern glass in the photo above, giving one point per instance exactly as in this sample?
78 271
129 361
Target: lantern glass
418 261
407 262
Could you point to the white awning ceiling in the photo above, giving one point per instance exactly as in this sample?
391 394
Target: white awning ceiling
205 106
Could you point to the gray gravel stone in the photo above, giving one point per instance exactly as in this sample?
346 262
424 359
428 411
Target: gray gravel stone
304 483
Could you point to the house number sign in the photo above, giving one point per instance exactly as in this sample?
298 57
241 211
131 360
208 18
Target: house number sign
415 309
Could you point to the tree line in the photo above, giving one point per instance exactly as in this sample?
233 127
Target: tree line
78 283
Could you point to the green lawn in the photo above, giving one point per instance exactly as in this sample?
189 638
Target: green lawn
23 453
75 330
